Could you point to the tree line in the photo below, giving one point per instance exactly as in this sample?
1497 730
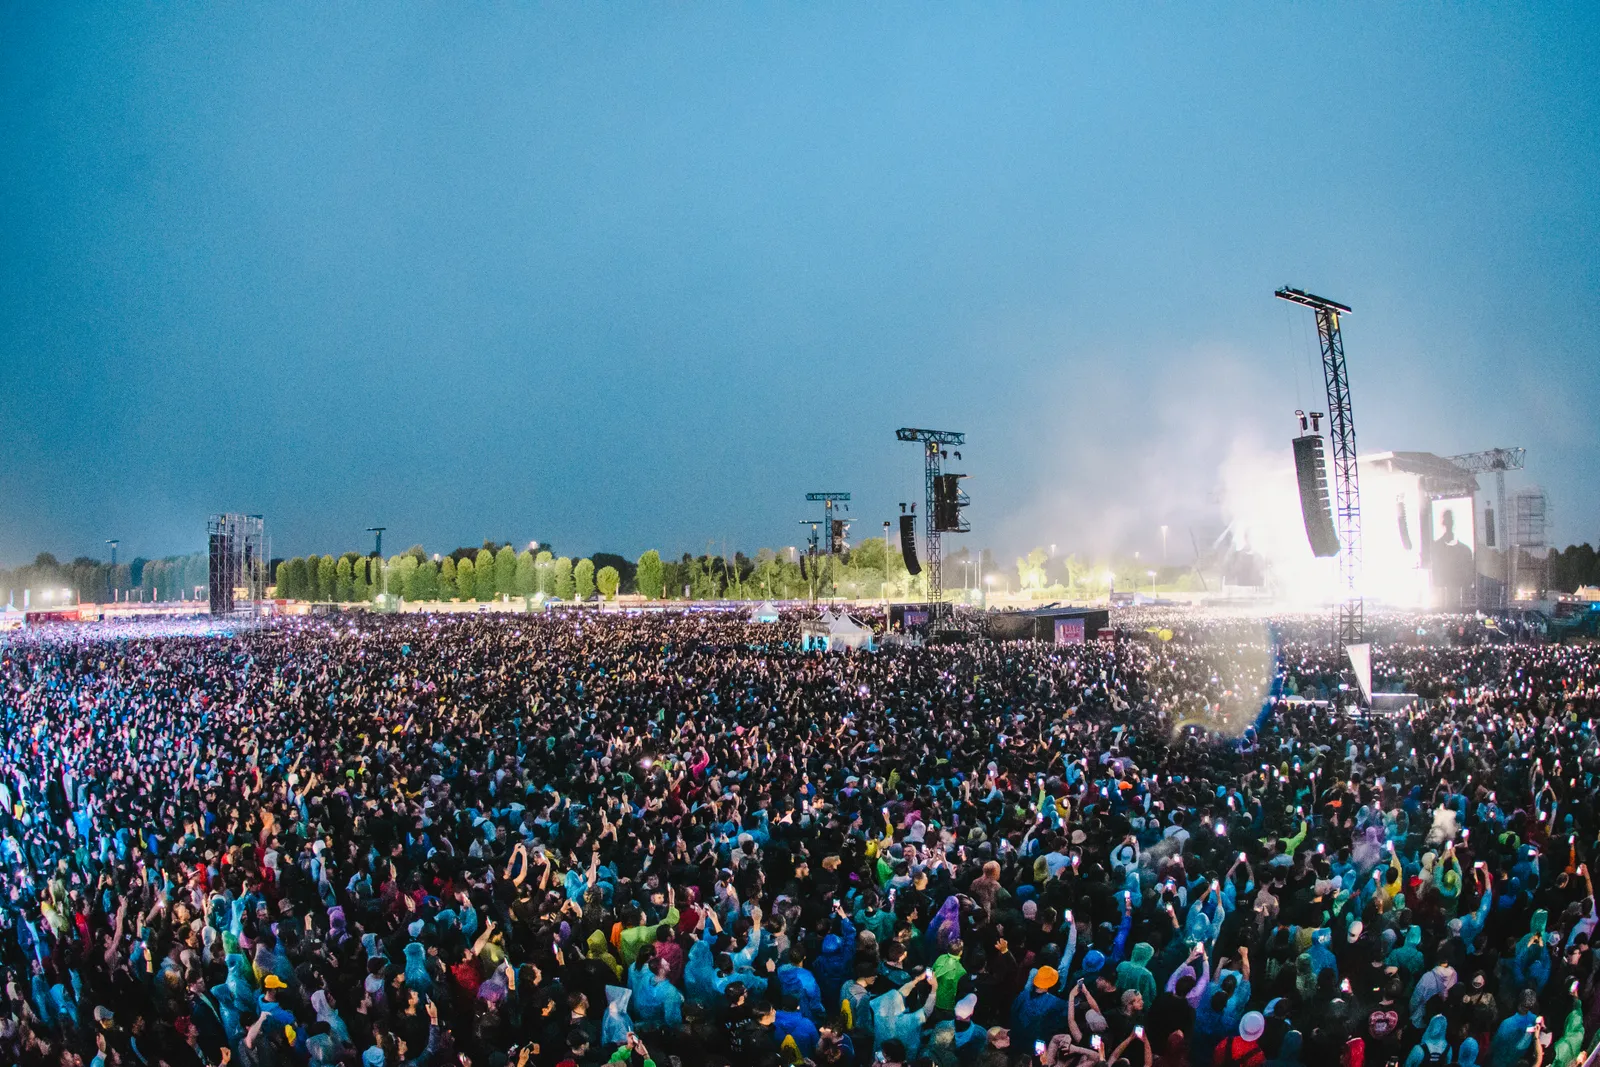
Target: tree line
483 574
869 570
92 581
1574 566
494 571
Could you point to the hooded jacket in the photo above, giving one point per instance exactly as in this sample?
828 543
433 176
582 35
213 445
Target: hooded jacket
1434 1048
1134 973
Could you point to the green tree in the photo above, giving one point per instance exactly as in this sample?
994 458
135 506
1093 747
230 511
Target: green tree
424 581
483 576
527 574
360 586
545 564
650 578
327 578
583 578
700 580
296 584
403 567
466 579
607 579
283 579
447 579
565 585
344 581
1031 569
672 572
505 571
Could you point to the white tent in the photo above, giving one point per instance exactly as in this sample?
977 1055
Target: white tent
845 633
766 611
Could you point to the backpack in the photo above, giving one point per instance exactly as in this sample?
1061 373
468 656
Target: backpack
1230 1054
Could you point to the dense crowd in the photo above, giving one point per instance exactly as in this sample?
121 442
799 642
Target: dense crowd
495 840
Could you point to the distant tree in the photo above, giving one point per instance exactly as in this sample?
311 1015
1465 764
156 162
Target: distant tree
447 579
294 583
360 586
672 578
1577 565
344 581
649 577
606 579
327 578
466 579
527 574
484 577
1031 569
425 581
583 578
545 565
505 571
698 577
627 570
283 578
402 567
565 586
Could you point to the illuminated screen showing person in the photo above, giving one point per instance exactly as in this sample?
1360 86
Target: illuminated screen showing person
1451 560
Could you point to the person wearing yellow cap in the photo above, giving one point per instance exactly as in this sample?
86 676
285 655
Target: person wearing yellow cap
271 988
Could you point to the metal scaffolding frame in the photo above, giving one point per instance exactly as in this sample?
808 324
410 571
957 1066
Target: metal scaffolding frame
933 457
239 555
1346 479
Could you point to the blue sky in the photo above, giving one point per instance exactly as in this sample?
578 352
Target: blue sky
626 276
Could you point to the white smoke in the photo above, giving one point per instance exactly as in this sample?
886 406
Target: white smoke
1444 828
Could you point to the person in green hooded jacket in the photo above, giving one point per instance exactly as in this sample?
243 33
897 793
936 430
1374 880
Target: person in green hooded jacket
1134 972
949 971
1568 1048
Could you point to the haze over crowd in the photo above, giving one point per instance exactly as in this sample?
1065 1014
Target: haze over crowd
633 279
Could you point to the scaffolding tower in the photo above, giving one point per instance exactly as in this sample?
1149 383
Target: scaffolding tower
933 453
237 565
1346 481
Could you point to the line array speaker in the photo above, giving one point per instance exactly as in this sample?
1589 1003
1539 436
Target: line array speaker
1311 469
908 543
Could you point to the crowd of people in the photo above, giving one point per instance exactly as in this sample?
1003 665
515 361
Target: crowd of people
678 839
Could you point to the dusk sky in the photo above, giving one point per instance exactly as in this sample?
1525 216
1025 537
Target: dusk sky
625 276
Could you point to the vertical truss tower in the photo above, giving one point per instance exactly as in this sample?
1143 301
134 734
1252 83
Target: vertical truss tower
1346 480
933 456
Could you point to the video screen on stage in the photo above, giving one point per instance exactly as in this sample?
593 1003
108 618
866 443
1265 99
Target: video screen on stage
1450 559
1069 631
1394 538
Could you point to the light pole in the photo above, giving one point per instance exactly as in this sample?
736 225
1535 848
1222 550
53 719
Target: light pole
1163 544
377 557
1152 575
111 578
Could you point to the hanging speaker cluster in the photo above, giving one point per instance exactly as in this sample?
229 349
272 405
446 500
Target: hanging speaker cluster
1311 470
908 543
